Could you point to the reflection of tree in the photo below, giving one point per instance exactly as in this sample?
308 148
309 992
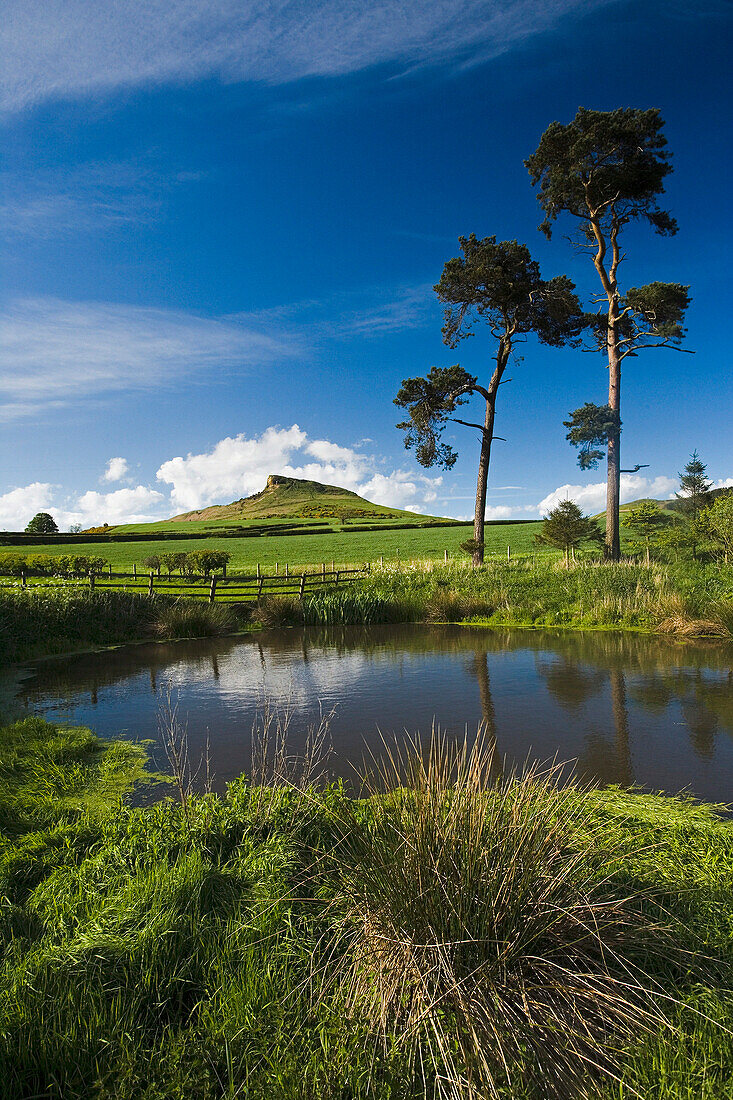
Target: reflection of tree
703 726
605 760
621 726
480 665
570 683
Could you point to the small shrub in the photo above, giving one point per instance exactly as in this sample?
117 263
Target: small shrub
204 562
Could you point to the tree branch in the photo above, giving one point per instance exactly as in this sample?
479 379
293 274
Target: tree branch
664 344
468 424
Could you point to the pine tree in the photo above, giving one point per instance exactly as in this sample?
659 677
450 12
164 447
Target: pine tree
646 522
565 527
695 487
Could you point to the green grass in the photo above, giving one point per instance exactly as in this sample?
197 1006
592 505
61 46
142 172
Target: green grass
49 621
239 951
298 551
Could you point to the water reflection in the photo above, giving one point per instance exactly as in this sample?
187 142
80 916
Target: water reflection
629 709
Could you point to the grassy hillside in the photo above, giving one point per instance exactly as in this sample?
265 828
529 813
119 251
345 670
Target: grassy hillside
293 499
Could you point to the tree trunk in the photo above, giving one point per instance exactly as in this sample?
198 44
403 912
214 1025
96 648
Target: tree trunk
612 548
613 484
487 435
482 482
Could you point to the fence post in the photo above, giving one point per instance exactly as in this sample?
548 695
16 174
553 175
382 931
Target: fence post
286 569
323 568
337 576
212 590
110 569
258 570
332 565
445 556
150 583
259 587
277 566
134 569
91 581
508 553
22 578
381 561
302 585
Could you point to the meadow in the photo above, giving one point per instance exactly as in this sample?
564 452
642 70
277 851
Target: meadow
283 942
341 545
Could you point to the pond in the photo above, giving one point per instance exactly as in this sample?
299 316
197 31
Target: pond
627 708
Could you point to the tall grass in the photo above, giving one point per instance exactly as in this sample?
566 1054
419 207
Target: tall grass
56 621
542 592
480 929
194 619
34 624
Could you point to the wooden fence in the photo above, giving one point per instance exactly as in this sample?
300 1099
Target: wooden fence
239 588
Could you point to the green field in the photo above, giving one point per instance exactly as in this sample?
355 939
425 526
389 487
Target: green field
341 546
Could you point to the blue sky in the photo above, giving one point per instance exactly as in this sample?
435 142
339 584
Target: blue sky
223 220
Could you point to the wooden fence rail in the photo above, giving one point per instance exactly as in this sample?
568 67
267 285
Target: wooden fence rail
242 587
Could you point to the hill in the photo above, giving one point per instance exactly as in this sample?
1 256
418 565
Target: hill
295 498
672 504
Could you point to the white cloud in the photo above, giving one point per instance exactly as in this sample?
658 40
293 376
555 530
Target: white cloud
54 352
237 467
138 505
592 498
116 469
56 48
19 506
724 483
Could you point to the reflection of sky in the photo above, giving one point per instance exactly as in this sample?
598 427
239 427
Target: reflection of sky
624 718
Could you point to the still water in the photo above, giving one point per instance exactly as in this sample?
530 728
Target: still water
627 709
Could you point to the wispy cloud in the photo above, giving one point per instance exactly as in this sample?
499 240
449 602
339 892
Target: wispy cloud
57 48
369 311
85 197
54 352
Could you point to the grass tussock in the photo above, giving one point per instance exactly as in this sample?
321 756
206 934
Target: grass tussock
276 612
482 933
454 607
194 619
